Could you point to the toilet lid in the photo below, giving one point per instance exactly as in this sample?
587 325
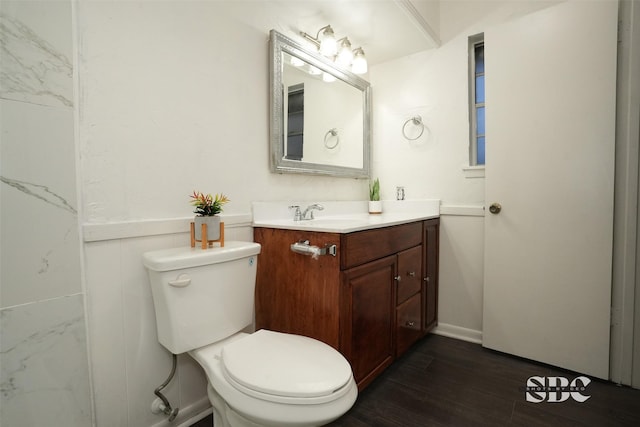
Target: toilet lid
285 365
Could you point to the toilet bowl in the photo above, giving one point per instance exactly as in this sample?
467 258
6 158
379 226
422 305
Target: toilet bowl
274 379
203 302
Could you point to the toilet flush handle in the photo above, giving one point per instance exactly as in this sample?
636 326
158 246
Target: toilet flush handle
182 281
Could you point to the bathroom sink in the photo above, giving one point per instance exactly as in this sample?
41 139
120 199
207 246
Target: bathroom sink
342 217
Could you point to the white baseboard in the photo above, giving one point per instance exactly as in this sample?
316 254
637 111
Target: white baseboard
189 415
197 417
458 332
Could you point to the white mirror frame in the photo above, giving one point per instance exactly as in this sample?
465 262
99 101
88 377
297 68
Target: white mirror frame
278 43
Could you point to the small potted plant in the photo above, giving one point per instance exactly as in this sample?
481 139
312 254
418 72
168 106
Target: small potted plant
375 205
207 209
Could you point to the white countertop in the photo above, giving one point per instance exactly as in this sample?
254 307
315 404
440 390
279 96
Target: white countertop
343 217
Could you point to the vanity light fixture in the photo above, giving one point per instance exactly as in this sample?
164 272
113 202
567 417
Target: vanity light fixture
339 51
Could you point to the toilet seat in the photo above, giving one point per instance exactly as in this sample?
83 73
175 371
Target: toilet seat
228 396
285 368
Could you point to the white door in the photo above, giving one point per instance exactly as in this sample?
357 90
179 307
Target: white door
550 94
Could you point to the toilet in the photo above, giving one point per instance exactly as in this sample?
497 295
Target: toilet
204 304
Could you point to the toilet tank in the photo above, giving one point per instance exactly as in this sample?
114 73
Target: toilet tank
202 296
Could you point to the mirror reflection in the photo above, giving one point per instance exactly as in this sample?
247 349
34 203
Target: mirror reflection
320 114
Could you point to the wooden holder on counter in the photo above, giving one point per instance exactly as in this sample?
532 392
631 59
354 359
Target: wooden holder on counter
205 242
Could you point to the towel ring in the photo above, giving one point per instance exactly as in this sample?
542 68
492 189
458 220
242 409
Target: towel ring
417 121
328 136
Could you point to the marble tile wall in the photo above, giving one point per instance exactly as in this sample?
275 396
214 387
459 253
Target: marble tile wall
44 368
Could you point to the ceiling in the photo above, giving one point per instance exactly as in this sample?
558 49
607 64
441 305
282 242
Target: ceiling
385 29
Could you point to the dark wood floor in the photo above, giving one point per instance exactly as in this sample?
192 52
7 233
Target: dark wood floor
447 382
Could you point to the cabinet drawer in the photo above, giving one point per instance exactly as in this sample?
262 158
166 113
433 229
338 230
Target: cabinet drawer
409 273
364 246
408 323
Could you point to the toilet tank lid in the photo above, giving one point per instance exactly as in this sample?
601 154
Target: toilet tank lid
187 257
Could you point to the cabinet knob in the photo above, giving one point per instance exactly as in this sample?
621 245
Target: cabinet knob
398 278
426 279
411 273
410 324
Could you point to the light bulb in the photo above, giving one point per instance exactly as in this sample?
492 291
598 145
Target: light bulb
328 45
359 65
345 55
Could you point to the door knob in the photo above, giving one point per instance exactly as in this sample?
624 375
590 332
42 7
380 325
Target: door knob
495 208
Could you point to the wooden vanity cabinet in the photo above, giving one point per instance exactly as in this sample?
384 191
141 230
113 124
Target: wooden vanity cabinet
368 302
431 259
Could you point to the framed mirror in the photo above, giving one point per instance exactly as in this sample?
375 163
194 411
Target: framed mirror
320 114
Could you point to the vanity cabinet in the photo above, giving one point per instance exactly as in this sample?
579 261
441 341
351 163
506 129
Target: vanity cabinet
371 301
430 282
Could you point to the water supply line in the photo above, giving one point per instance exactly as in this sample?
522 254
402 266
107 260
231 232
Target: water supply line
165 406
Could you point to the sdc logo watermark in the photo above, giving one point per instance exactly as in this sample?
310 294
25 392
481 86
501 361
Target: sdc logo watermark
556 389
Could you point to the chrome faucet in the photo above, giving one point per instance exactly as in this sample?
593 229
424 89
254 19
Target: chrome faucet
308 212
298 215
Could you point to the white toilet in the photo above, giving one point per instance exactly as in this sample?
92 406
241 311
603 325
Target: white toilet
203 300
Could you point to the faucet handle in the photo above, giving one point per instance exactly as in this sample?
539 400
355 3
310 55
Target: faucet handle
297 214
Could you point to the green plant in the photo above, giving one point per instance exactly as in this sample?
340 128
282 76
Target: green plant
208 205
374 190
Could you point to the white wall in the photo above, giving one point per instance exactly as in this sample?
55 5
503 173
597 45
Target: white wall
174 97
461 274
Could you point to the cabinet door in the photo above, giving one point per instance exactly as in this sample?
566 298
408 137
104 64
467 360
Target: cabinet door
368 318
409 273
430 289
295 293
408 323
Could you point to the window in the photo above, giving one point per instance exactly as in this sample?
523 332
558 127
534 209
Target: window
295 122
476 101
